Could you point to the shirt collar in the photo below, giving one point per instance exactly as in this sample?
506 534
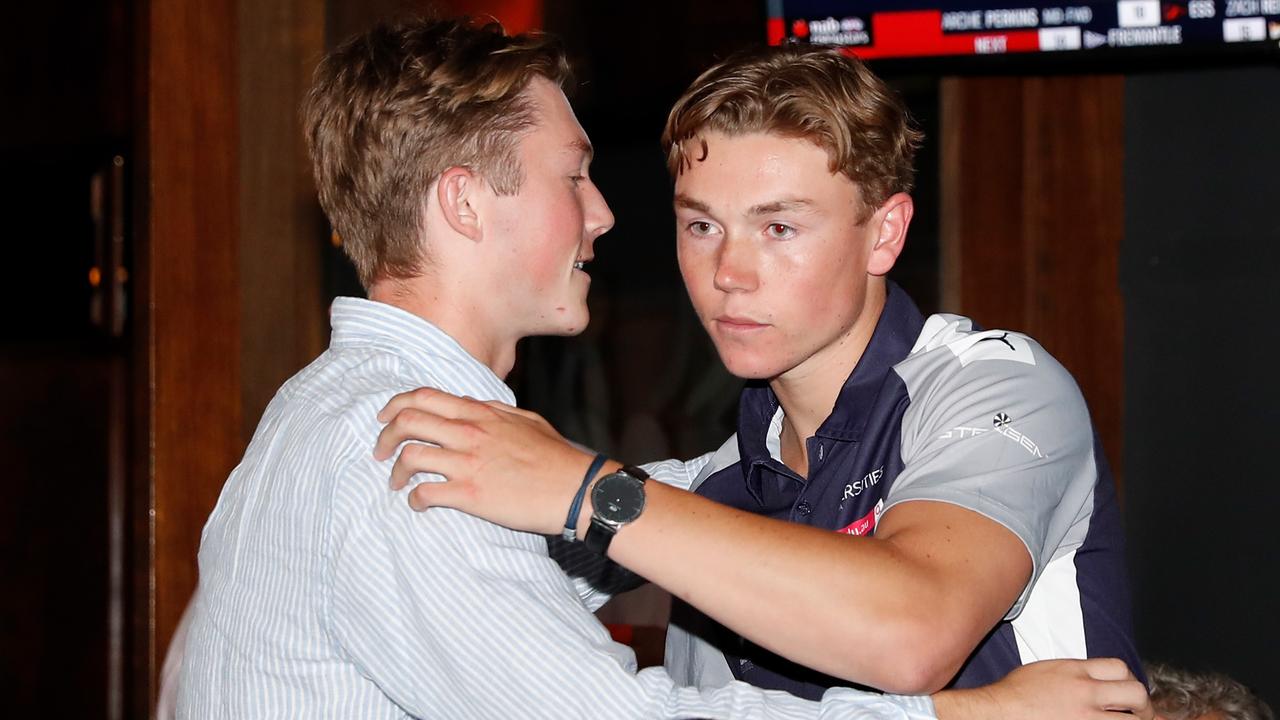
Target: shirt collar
357 322
759 413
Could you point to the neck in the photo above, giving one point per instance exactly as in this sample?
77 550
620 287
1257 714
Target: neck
450 310
808 392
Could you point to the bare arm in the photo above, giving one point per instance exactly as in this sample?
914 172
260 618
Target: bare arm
928 586
933 581
1094 689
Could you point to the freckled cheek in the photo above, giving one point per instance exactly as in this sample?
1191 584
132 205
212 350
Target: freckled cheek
799 296
696 269
688 260
697 298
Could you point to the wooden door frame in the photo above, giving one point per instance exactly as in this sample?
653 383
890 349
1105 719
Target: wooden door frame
187 321
228 275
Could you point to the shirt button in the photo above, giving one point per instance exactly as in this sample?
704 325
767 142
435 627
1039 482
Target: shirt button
821 451
803 508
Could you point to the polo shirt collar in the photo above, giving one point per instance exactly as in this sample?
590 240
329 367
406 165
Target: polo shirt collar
895 334
759 415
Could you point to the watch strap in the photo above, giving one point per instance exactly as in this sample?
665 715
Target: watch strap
599 536
634 472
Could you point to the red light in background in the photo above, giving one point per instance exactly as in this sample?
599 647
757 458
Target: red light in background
516 16
800 28
775 31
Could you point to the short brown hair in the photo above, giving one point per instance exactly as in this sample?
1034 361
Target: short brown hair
806 92
1183 695
392 109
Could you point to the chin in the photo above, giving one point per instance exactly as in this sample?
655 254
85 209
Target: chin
572 324
749 361
750 367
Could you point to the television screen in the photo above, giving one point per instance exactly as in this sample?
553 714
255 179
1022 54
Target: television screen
874 29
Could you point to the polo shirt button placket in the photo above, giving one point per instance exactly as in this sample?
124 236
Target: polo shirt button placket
803 509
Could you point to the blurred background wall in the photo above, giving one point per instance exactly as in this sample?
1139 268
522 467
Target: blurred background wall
168 267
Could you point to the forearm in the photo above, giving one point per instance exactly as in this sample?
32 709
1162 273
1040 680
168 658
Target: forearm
1052 690
484 627
974 704
899 611
740 568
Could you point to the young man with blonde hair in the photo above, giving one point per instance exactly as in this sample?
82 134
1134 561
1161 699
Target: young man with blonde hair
453 168
908 504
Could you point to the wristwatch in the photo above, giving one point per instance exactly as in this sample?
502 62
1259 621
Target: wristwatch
616 499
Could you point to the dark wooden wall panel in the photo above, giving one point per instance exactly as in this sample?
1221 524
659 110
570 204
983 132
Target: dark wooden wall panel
189 273
1073 209
981 229
1033 216
283 314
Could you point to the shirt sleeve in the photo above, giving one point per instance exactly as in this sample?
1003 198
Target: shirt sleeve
445 611
997 426
171 670
677 473
595 577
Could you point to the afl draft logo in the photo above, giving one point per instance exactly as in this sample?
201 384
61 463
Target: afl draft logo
1001 420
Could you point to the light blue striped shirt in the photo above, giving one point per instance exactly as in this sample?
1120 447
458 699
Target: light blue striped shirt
322 594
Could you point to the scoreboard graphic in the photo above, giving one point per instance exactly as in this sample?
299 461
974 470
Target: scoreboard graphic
928 28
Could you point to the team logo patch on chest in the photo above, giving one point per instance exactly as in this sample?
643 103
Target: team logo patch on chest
865 524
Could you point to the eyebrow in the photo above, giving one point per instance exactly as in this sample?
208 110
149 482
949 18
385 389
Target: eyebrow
684 201
780 206
582 146
689 203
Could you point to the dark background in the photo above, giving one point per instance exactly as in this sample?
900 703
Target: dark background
1200 270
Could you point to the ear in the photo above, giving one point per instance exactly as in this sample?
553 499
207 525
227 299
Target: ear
456 192
890 222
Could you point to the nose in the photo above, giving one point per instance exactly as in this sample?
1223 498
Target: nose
597 217
736 266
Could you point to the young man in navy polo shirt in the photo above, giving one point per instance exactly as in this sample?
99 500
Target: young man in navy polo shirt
974 518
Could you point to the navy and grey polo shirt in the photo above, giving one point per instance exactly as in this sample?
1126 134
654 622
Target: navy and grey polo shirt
937 410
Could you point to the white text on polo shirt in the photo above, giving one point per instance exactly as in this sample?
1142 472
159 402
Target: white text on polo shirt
1027 443
855 488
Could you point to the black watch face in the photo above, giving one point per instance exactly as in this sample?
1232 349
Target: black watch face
618 498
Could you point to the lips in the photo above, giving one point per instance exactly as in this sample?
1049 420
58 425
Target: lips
733 323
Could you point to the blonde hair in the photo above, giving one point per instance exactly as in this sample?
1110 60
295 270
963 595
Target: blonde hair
393 108
799 91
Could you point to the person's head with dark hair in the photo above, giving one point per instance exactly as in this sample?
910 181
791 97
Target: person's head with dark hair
1184 695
